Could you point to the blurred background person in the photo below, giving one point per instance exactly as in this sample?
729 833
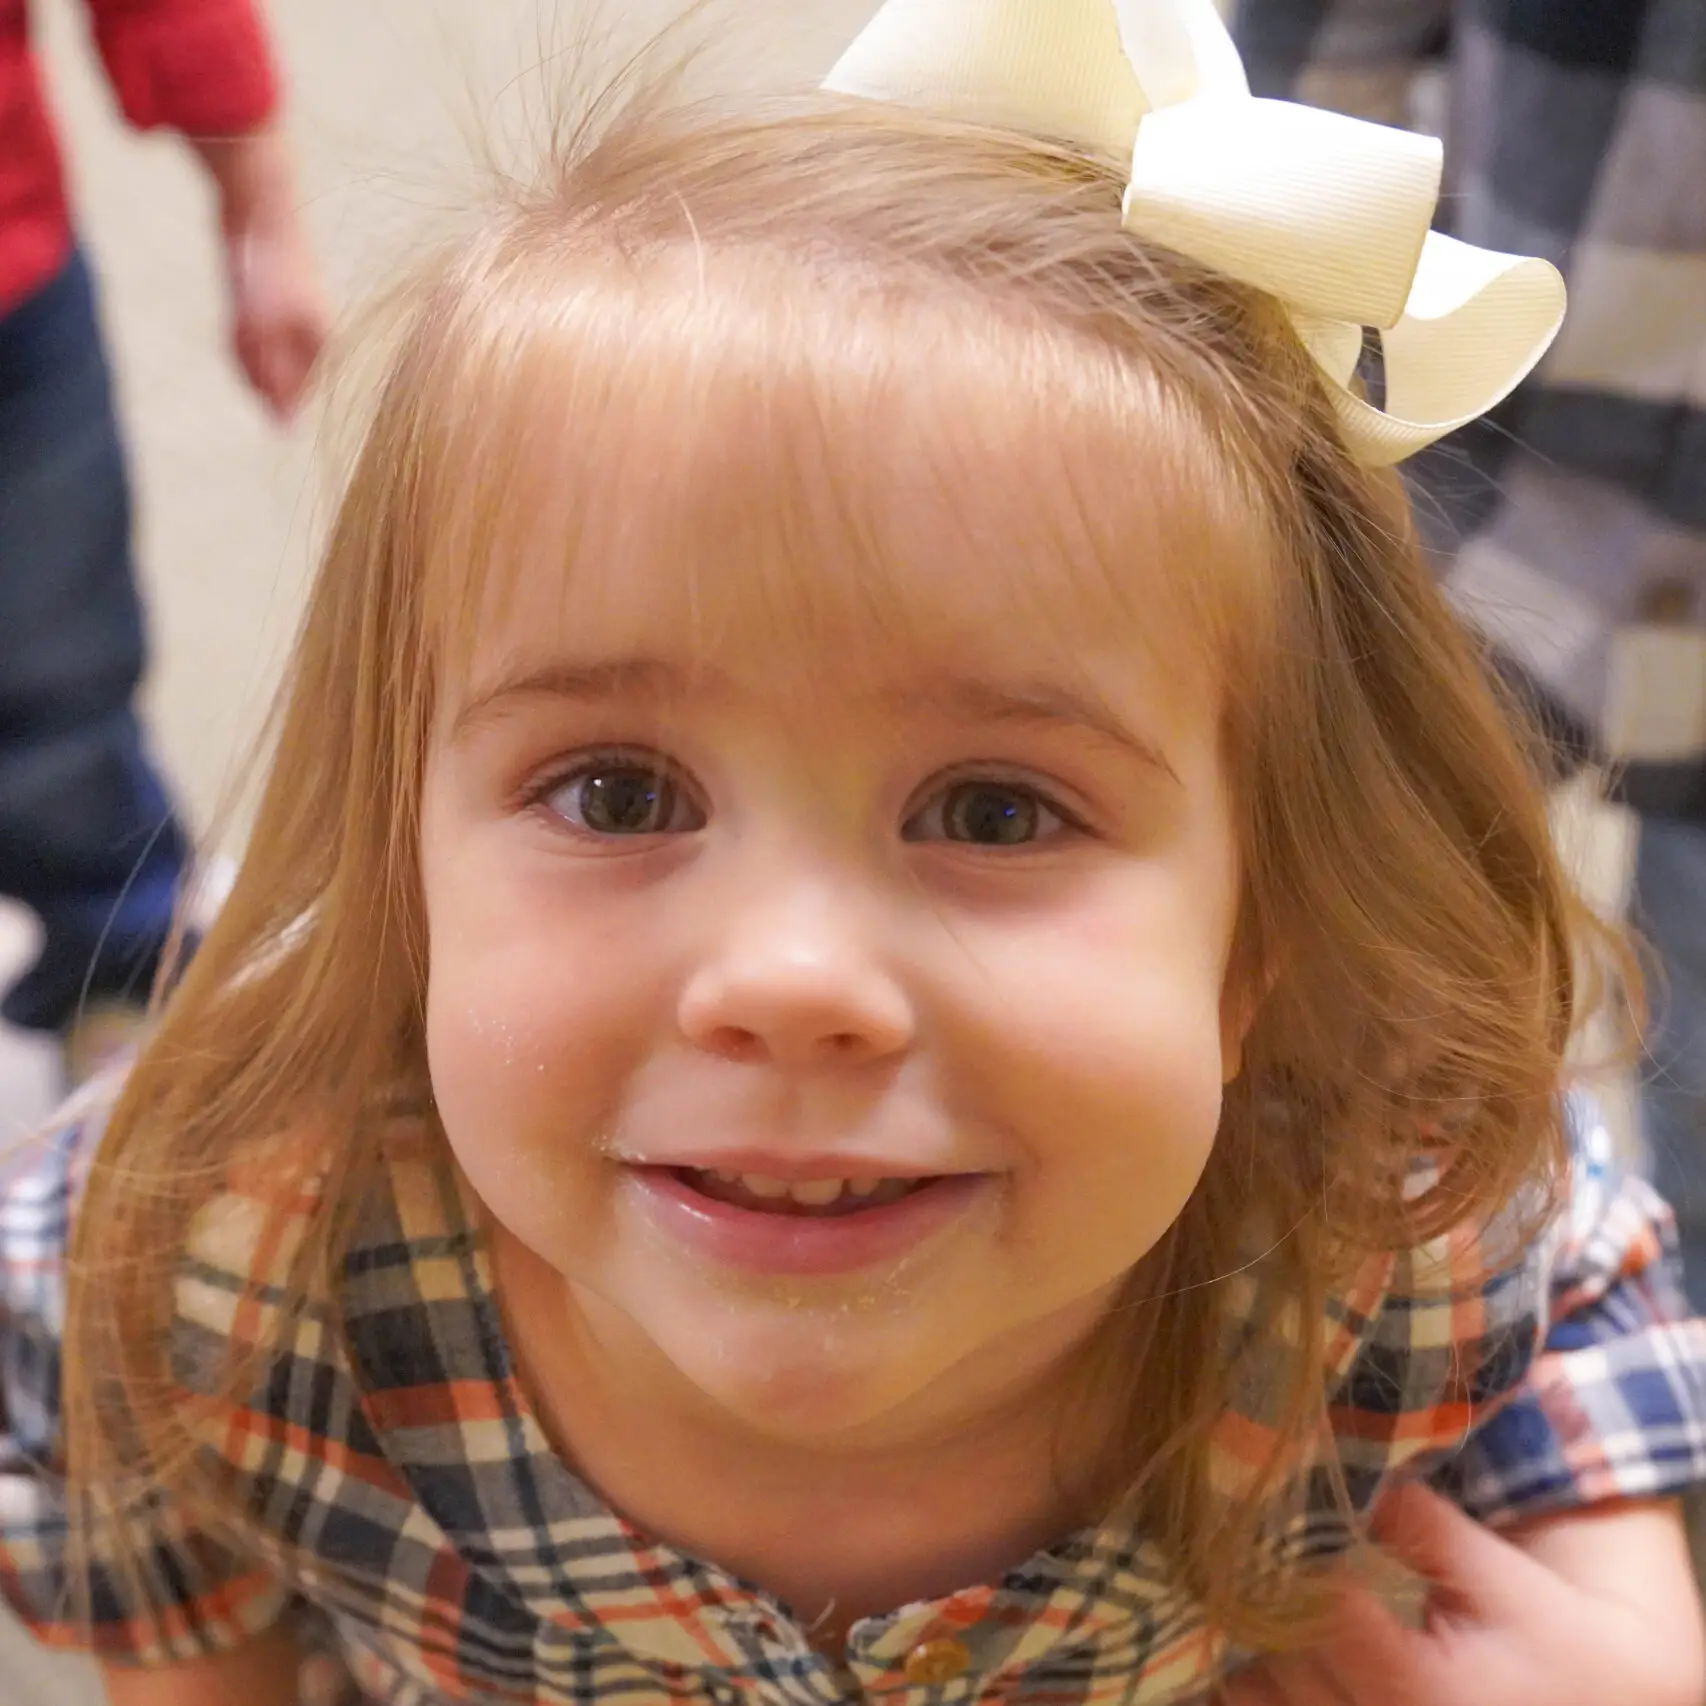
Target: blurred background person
89 839
1571 524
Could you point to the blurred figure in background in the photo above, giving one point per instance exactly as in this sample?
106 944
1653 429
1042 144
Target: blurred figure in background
1571 523
88 837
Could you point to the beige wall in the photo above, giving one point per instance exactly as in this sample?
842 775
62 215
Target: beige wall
385 95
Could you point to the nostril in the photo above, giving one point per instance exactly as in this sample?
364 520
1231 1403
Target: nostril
737 1043
733 1042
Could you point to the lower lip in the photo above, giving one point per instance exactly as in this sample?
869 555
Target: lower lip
797 1243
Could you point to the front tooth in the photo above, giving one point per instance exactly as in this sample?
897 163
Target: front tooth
762 1185
864 1187
815 1193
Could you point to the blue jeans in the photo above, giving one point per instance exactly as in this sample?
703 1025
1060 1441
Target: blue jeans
88 839
1670 899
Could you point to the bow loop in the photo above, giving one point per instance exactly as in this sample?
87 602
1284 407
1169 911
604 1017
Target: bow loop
1179 51
1328 214
1476 324
1056 69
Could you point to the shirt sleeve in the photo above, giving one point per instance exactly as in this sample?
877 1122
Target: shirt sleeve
1613 1405
158 1591
204 67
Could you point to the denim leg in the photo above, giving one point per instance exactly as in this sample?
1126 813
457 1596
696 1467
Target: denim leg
1670 893
88 839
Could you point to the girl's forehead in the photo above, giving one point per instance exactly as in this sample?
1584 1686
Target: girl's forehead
816 495
697 616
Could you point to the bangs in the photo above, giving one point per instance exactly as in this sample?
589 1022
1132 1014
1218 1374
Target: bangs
857 463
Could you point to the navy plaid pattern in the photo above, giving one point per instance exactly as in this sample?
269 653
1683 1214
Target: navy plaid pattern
400 1485
1571 524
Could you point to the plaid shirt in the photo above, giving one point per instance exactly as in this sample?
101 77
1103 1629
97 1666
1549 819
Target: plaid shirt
1572 522
400 1483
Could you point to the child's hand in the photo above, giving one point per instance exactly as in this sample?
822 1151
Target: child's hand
279 317
278 314
1595 1607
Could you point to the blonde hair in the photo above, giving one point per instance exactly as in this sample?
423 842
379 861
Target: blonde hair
1406 935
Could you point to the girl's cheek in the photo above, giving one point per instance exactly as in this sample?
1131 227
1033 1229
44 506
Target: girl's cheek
487 1031
532 1038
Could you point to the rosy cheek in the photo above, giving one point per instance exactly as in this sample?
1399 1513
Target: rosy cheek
485 1044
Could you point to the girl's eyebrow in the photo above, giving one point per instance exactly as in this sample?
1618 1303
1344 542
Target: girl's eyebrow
1040 704
1035 703
653 678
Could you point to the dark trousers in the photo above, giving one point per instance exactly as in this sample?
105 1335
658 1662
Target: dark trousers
88 839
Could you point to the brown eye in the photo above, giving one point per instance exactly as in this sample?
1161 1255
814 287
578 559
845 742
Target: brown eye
625 799
985 814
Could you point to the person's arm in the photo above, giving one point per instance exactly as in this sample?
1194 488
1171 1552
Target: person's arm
205 68
1584 1608
1555 1564
264 1673
1633 1554
1611 1408
279 314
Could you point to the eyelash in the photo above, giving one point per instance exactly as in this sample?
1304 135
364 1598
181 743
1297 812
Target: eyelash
536 795
941 789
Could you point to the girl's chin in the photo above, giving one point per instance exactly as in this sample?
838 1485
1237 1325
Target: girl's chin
802 1411
803 1375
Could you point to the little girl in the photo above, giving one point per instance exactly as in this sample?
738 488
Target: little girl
894 1028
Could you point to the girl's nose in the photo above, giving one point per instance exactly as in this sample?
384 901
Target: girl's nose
796 987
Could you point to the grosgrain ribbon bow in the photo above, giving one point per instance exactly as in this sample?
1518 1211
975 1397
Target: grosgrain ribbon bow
1329 214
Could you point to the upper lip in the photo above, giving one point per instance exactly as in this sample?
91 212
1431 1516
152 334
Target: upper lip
792 1167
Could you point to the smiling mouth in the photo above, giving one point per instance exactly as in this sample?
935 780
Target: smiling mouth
798 1198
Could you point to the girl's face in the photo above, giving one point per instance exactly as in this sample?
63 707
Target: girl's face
834 1004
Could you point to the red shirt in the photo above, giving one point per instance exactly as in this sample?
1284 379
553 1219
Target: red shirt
200 66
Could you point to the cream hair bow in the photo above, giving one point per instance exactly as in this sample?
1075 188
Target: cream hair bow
1327 213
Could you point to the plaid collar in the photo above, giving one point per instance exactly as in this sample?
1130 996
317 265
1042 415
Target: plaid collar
396 1479
449 1416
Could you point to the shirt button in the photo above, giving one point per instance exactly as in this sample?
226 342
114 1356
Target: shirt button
931 1663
